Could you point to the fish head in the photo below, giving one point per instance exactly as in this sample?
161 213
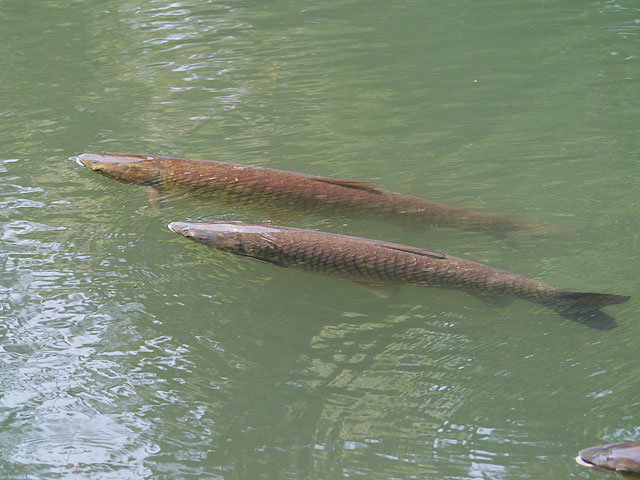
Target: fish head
620 457
235 237
136 169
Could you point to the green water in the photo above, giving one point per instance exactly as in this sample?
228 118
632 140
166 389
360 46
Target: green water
127 352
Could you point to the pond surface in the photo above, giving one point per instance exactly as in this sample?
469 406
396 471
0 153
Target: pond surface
128 352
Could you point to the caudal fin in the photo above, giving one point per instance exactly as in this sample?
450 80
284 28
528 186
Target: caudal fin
530 231
585 308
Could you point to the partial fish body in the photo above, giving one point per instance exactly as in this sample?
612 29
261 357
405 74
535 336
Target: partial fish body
378 264
619 457
266 186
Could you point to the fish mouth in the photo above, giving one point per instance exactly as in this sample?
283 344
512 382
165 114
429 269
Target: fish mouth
87 160
583 462
178 227
90 160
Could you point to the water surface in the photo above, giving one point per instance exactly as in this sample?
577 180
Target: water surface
128 352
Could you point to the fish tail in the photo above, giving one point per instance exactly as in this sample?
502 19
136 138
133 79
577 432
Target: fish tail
524 232
590 301
585 307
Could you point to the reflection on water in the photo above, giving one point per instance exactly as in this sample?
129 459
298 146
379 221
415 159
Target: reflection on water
384 399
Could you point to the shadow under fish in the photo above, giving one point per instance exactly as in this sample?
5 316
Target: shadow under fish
381 266
273 188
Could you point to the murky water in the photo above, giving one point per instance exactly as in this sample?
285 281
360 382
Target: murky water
128 352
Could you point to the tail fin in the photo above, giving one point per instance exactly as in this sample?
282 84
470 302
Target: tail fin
531 231
585 308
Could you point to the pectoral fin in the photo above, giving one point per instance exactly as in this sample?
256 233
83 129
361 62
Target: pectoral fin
263 261
627 465
380 290
370 187
155 198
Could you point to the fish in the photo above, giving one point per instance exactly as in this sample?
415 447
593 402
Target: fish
616 457
251 185
382 266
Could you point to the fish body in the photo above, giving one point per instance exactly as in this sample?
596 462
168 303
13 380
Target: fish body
619 457
380 264
266 186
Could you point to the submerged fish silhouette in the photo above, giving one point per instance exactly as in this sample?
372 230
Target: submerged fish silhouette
377 265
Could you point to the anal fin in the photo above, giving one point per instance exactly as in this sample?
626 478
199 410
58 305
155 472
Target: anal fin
493 300
380 290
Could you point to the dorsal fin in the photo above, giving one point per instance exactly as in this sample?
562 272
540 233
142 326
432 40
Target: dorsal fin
369 187
414 250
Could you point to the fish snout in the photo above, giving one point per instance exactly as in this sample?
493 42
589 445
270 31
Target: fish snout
86 160
89 159
189 230
580 461
199 232
101 160
180 227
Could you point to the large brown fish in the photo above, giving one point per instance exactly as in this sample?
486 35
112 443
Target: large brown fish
267 186
378 264
619 457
